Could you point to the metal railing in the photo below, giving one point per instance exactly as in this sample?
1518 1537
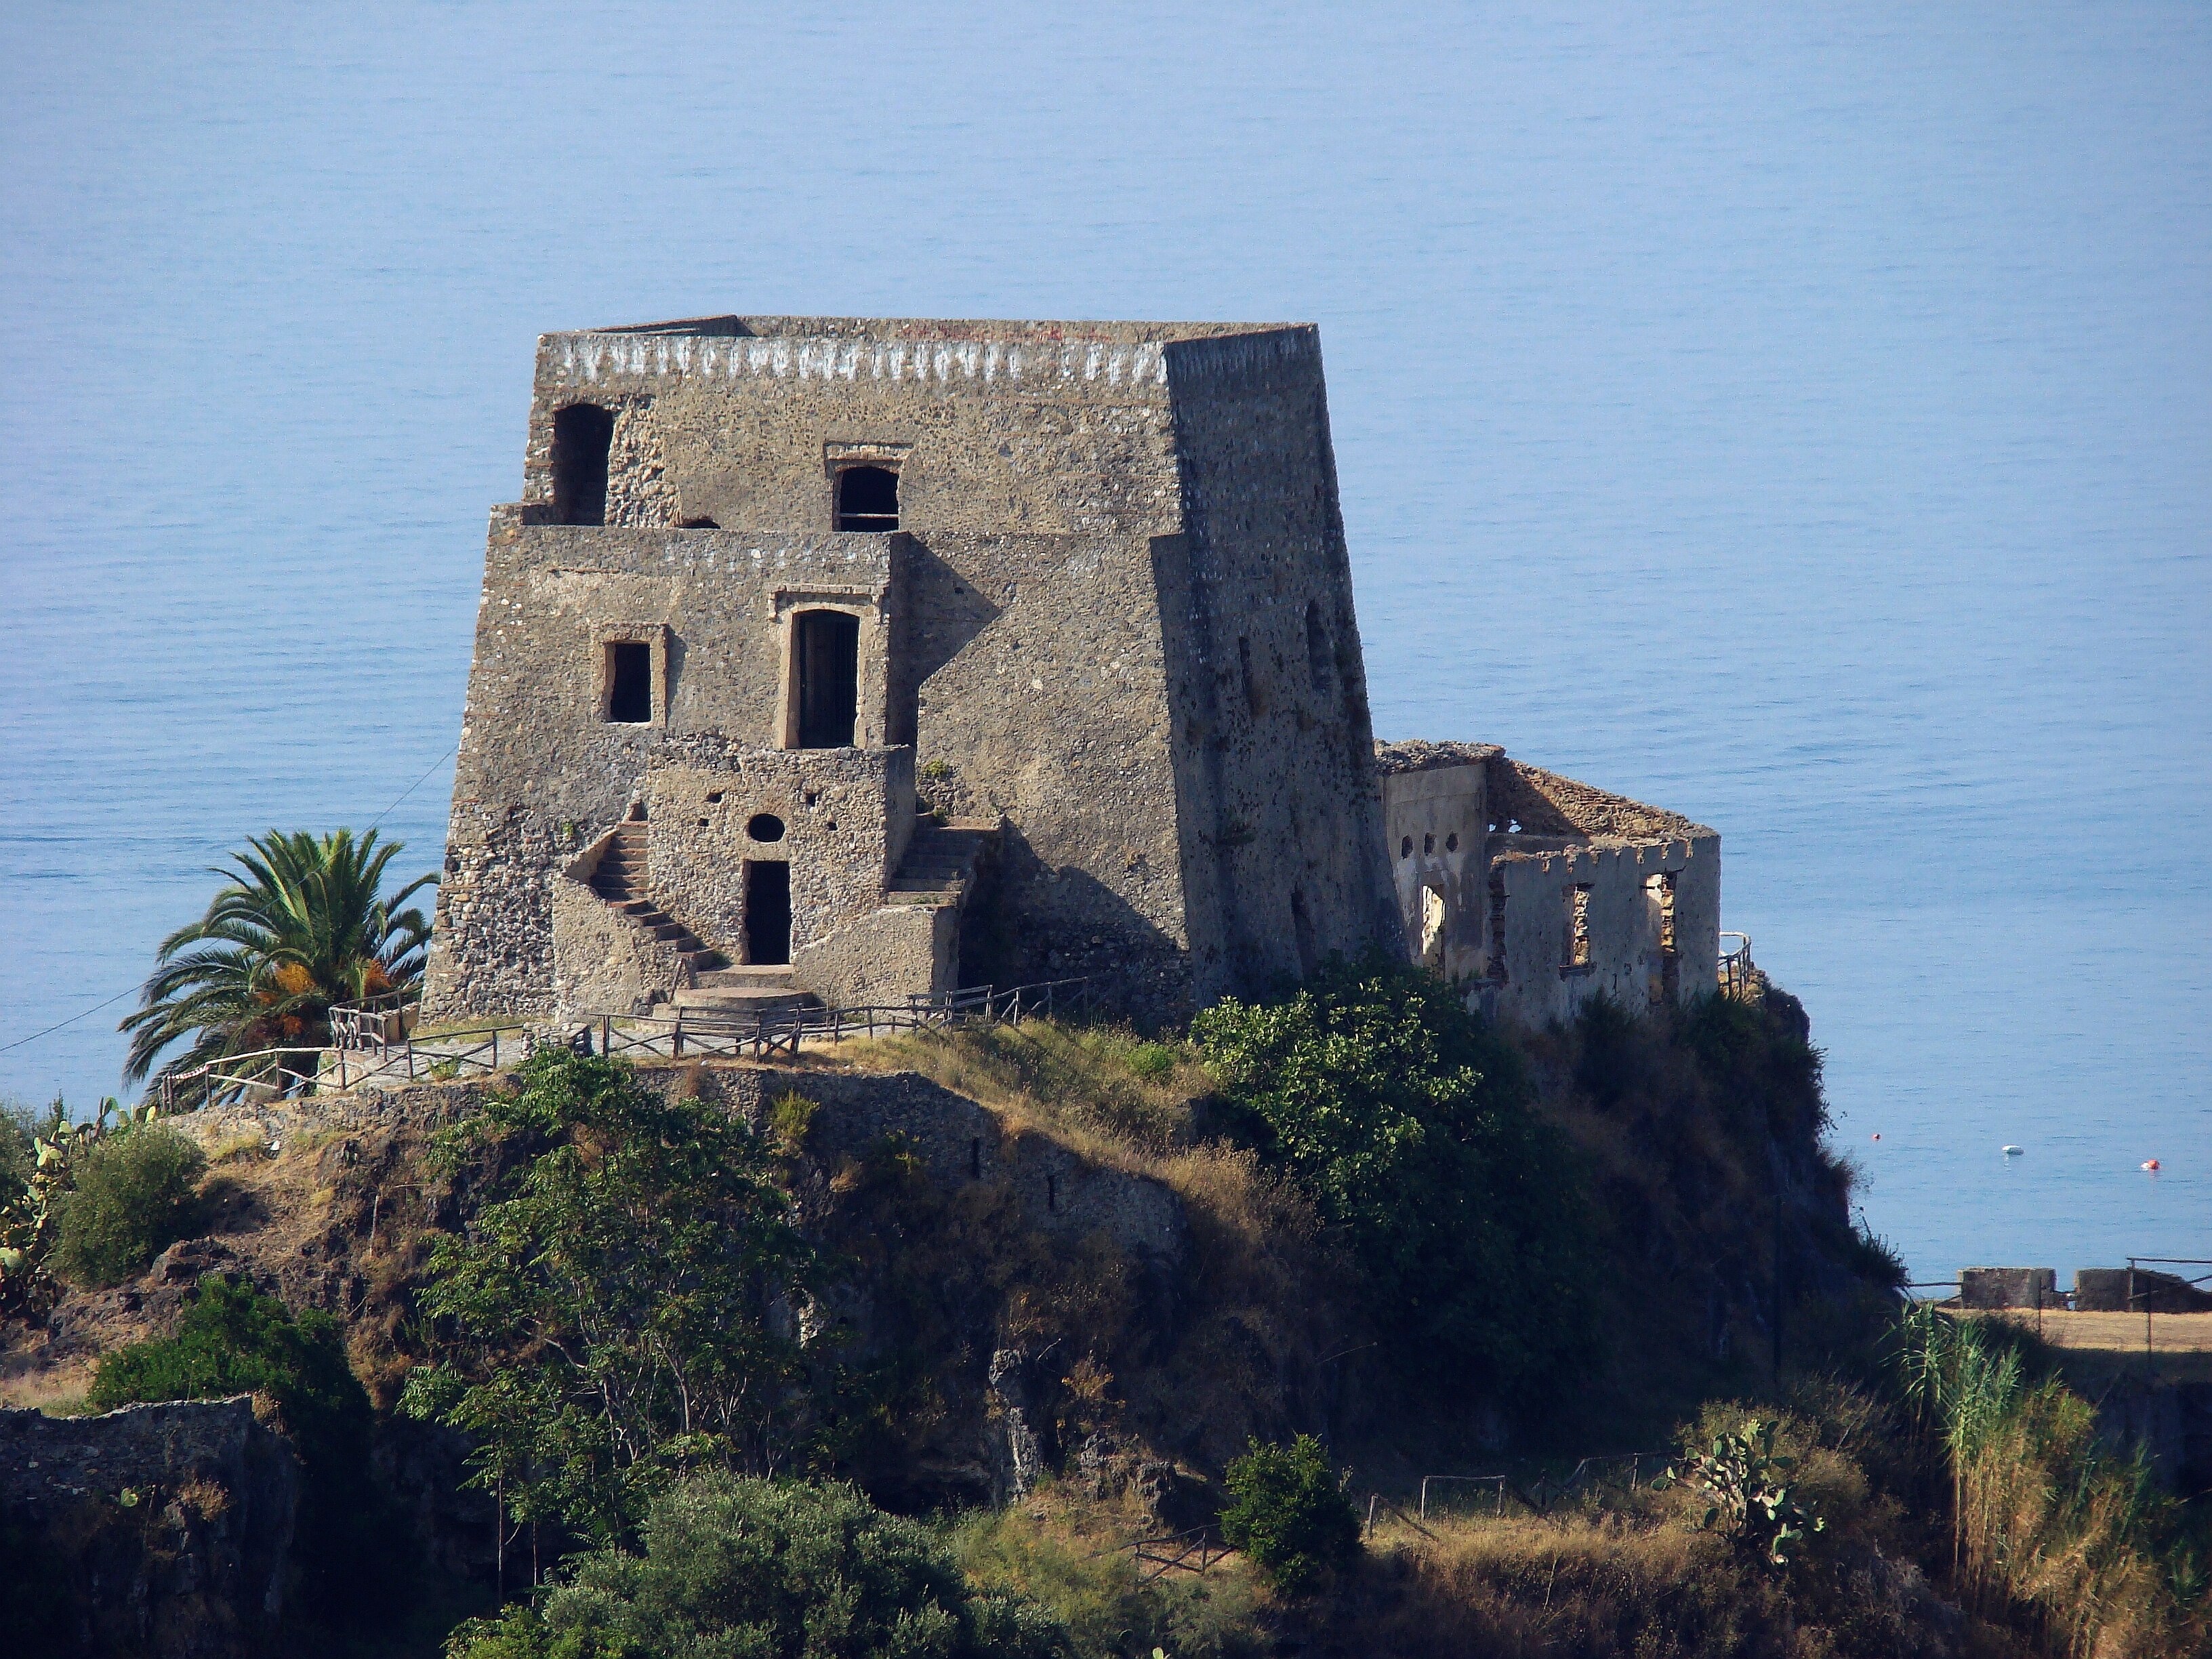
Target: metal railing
189 1090
375 1022
436 1059
1739 978
1183 1552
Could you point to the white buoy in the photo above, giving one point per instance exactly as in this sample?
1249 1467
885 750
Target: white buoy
2013 1151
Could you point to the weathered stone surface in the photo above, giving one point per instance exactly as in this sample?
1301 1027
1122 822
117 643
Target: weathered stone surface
2132 1290
880 959
1541 893
1117 611
168 1529
2008 1287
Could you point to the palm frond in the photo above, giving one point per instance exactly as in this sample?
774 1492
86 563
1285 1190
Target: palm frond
298 925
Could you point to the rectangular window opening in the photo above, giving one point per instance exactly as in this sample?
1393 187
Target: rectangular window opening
1659 889
1497 926
629 683
826 663
1578 939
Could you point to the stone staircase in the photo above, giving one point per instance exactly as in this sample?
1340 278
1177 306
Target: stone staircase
742 994
939 865
619 879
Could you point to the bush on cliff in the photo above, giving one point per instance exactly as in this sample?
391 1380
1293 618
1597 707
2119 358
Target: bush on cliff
1408 1123
232 1339
1286 1512
132 1194
745 1566
610 1318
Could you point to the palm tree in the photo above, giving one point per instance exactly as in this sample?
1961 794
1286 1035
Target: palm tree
299 925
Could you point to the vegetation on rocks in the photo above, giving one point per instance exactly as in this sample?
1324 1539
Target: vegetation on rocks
301 922
625 1305
1287 1511
734 1568
1408 1124
129 1196
2048 1523
233 1339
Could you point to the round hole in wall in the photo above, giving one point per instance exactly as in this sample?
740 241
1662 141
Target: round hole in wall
764 826
713 798
1451 842
1406 847
833 826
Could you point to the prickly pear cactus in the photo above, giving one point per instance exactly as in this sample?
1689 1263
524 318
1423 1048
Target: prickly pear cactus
28 1224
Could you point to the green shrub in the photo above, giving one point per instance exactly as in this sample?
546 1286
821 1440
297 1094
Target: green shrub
1750 1498
19 1130
1151 1060
232 1339
1288 1513
737 1566
1408 1124
134 1195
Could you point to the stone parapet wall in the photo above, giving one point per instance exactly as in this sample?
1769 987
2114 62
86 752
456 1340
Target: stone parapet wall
169 1528
881 959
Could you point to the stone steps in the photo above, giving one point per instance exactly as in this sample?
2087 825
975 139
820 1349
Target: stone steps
619 878
939 864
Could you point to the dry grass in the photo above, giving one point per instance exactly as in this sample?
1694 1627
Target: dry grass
2189 1333
1269 1298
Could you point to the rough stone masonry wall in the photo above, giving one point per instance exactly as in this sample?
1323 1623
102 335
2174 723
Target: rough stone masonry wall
541 775
1186 816
164 1529
847 815
1041 698
1280 816
995 428
1622 919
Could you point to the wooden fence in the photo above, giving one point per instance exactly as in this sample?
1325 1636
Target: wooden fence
377 1040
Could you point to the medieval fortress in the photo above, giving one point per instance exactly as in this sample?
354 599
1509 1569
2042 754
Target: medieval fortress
862 661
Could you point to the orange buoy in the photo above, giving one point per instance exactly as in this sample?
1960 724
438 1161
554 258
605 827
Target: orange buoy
2152 1166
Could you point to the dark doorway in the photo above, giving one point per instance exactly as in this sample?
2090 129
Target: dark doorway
867 498
767 912
630 684
582 434
826 652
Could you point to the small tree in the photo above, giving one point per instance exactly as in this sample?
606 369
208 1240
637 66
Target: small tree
1288 1514
1407 1122
622 1307
749 1566
1752 1503
129 1194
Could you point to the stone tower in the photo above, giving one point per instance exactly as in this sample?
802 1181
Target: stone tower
870 659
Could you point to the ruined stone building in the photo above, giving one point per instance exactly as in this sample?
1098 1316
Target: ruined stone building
866 660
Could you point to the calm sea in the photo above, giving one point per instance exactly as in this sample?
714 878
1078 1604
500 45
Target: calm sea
1799 417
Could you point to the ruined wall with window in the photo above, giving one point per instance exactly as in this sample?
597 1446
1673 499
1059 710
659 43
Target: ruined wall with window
1537 892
